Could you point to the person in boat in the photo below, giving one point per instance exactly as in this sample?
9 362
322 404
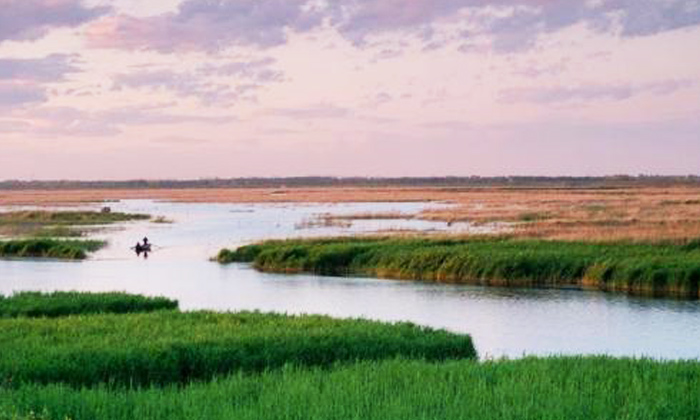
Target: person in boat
144 248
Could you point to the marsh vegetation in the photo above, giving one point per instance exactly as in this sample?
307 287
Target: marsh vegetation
111 356
57 304
172 347
58 223
570 388
53 234
653 269
49 248
642 210
173 365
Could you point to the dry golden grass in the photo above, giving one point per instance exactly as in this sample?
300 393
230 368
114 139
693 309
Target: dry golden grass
642 214
242 195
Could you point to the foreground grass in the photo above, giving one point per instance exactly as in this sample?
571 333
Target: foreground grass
267 366
553 388
49 248
653 269
172 347
37 304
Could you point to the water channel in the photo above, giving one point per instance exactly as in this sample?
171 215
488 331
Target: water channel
502 322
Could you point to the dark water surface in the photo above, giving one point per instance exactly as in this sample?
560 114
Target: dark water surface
503 322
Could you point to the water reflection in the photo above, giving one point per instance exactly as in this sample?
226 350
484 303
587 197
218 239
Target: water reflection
503 322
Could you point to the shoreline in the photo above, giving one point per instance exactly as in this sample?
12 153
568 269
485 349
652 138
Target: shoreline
669 270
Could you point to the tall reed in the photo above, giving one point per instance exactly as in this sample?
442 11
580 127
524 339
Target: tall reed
170 347
653 269
49 248
37 304
572 388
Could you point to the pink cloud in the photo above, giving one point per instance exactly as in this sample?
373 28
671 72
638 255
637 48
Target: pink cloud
211 25
219 84
14 94
31 19
48 69
592 93
205 25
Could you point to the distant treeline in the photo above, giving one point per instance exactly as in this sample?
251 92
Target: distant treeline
295 182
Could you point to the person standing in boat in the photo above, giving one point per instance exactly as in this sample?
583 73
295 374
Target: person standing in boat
144 248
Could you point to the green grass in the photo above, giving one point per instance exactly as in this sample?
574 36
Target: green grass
652 269
573 388
57 232
202 365
66 224
37 304
49 248
172 347
67 217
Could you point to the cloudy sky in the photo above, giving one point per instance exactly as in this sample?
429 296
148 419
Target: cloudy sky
114 89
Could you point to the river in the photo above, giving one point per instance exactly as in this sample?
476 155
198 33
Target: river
502 322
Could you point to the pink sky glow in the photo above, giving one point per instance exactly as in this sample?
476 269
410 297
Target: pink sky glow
117 89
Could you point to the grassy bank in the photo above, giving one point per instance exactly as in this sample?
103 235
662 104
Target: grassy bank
652 269
173 347
553 388
49 248
68 217
37 304
43 224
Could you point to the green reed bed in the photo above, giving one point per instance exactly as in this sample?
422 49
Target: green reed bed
37 304
173 347
654 269
49 248
53 224
569 388
67 217
57 232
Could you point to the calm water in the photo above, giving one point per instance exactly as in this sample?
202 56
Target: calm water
503 322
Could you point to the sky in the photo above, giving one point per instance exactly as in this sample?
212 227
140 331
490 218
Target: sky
184 89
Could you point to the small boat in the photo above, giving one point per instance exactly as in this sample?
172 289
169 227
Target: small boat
143 248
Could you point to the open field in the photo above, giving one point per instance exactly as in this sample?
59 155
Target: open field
172 347
50 305
650 269
572 388
233 195
601 214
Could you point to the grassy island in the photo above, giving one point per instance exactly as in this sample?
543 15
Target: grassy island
650 269
49 248
53 234
42 224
